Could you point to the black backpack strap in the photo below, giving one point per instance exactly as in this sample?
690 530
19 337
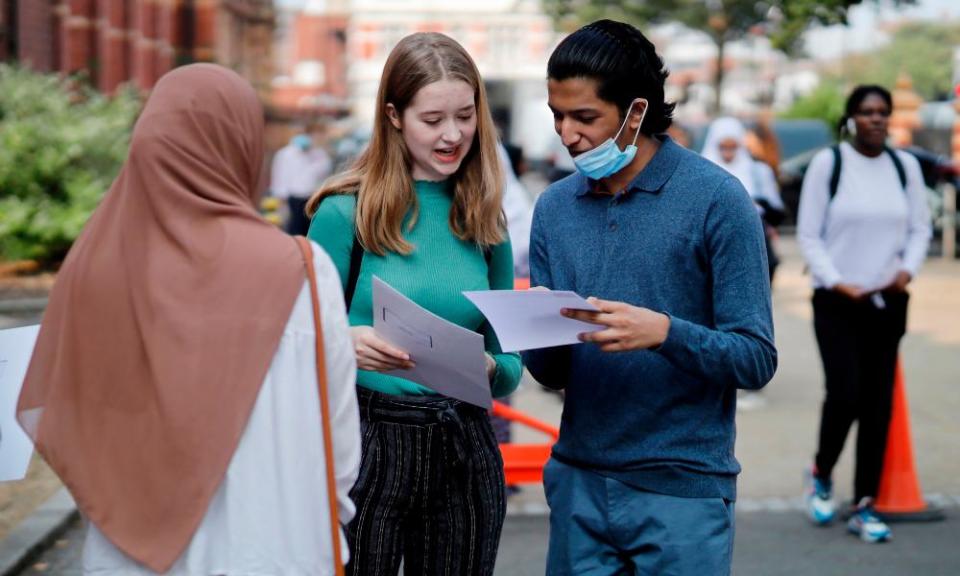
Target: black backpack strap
835 175
353 272
898 164
356 260
837 165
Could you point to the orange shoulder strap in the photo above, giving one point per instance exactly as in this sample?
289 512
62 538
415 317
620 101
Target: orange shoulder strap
324 406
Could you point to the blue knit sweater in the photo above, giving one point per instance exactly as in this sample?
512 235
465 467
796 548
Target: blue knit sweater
683 239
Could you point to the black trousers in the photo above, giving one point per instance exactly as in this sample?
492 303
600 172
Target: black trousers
430 489
773 259
298 224
858 345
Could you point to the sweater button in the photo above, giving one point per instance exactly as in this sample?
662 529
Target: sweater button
613 225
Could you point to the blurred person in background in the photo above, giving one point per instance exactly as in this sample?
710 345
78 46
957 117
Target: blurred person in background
296 172
763 144
864 228
517 207
422 209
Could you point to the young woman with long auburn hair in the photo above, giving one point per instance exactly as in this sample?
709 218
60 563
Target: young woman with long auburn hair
423 202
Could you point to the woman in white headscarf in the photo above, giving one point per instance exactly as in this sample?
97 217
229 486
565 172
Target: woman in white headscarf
726 146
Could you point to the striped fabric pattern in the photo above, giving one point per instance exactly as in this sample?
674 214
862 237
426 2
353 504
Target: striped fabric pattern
430 490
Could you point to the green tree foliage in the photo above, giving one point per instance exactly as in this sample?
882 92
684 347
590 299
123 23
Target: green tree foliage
784 21
918 49
826 103
61 145
922 50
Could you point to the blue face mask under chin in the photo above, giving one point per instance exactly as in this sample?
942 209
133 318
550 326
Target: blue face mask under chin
607 159
302 141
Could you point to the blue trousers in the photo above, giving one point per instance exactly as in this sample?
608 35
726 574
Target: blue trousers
601 526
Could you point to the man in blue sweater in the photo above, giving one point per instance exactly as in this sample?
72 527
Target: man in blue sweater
643 477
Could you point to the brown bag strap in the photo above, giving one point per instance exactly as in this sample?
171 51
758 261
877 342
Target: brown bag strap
324 406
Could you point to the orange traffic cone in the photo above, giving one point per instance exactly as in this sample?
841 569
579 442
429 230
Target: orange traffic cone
899 497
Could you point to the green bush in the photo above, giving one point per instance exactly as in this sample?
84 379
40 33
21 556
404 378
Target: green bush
61 145
826 102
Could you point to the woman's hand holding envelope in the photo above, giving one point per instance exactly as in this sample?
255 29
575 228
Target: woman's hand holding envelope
376 354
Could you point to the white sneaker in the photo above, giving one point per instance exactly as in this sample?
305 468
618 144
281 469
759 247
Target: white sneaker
818 497
867 525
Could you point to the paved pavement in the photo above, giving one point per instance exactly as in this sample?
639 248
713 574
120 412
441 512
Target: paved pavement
779 544
775 441
767 544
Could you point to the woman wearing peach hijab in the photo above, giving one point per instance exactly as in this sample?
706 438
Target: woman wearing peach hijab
173 387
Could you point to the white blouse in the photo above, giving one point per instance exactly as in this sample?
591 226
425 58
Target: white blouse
270 515
871 229
297 173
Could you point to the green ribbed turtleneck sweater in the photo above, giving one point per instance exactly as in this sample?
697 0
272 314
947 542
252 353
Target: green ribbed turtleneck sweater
440 267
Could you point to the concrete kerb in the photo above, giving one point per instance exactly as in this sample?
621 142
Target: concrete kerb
37 533
23 305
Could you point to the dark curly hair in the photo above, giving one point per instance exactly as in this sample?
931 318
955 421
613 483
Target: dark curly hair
624 64
860 94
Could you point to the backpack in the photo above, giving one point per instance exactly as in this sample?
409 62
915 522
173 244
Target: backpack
838 164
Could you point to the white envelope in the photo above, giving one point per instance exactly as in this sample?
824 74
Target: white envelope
449 358
529 319
16 348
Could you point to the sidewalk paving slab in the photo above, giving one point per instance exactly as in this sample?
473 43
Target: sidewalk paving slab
33 536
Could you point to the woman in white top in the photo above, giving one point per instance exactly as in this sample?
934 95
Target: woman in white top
174 384
863 228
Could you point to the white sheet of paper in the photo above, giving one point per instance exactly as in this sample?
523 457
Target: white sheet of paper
16 347
529 319
449 358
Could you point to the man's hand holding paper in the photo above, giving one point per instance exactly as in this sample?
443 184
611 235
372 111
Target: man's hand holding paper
625 327
529 319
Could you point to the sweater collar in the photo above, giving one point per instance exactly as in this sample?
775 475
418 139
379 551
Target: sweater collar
441 187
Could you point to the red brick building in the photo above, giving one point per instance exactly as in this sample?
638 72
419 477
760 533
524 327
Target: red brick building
312 74
120 41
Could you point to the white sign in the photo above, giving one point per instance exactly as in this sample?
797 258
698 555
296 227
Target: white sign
16 347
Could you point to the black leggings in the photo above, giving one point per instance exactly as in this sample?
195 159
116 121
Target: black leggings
430 489
858 345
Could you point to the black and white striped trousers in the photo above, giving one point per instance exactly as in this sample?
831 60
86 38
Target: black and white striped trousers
430 489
